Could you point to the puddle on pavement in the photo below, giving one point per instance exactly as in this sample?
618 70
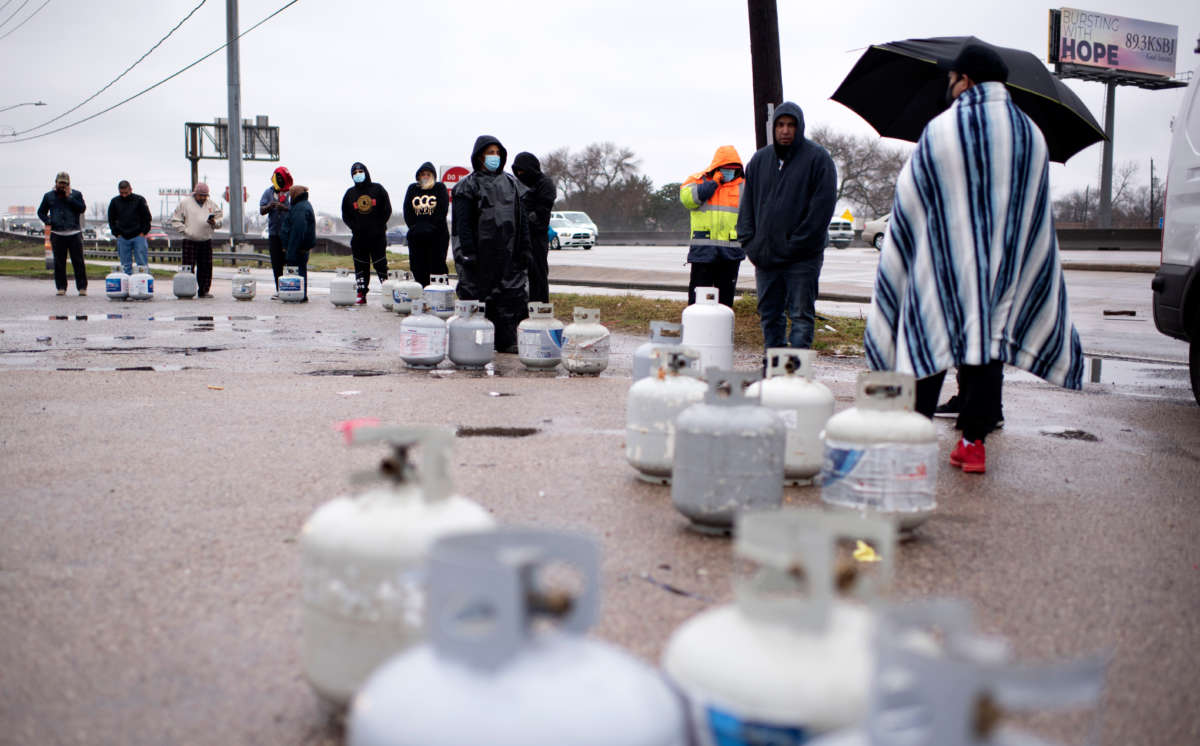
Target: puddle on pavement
132 368
1117 372
495 432
1067 433
355 372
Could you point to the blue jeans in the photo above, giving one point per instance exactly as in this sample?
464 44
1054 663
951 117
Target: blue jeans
788 293
135 246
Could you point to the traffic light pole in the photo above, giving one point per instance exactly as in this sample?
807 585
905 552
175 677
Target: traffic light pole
235 121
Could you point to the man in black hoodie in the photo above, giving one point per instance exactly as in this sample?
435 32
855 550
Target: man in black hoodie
538 201
783 225
365 211
426 204
492 256
129 221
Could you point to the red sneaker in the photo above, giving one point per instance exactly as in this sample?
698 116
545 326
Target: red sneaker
362 300
972 458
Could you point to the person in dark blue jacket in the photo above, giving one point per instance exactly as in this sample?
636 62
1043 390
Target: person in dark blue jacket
62 209
298 233
783 225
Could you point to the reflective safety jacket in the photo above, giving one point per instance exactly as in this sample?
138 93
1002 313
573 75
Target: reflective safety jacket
714 210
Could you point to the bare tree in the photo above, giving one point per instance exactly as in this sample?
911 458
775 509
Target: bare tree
867 168
602 180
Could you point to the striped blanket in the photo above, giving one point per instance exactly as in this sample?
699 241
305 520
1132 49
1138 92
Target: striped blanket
969 271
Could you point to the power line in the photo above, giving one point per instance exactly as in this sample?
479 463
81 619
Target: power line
6 4
146 90
15 12
22 23
114 80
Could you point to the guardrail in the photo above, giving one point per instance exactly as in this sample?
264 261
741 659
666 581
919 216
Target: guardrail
1069 239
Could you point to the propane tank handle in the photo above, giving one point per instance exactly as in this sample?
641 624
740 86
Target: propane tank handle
728 387
186 268
886 391
483 595
783 361
541 309
466 308
419 306
291 270
707 296
665 332
435 442
586 314
439 279
677 361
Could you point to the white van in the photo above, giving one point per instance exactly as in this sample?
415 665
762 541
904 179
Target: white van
1176 285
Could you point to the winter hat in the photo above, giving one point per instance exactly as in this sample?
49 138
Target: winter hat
62 178
201 189
981 64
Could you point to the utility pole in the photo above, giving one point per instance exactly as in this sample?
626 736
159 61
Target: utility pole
235 122
764 63
1152 225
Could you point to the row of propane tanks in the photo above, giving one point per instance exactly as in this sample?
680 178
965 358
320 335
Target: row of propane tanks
439 628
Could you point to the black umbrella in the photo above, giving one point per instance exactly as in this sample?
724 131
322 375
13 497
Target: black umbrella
899 86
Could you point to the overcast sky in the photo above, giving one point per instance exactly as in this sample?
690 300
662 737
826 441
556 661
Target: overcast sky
395 83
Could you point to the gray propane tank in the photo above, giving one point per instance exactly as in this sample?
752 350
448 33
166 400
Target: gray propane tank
540 338
116 284
729 454
184 284
662 334
804 404
494 672
244 284
343 288
388 289
291 285
585 343
440 296
422 337
792 657
141 284
404 292
653 405
363 560
472 336
880 455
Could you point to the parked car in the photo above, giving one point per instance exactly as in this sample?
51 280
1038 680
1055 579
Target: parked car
89 234
398 235
875 230
156 234
1176 285
569 234
552 237
581 219
35 229
841 232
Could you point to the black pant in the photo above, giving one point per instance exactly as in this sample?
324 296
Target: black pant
539 267
979 392
427 255
506 309
720 274
367 251
60 247
275 248
199 255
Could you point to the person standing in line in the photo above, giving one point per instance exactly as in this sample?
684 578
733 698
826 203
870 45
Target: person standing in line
538 201
426 204
197 218
298 232
969 274
62 209
492 255
129 221
712 197
366 210
274 204
783 225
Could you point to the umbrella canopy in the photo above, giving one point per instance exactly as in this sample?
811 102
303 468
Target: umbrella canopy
899 86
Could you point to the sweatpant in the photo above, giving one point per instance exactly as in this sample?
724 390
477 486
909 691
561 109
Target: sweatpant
368 251
427 255
720 274
275 249
539 269
199 255
979 392
61 247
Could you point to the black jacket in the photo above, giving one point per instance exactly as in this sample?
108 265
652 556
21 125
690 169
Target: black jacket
539 200
129 216
366 207
425 210
787 203
299 229
61 212
492 256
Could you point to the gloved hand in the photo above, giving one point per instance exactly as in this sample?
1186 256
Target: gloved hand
718 176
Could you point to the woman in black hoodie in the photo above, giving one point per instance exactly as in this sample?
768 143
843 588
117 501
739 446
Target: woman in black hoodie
365 211
426 204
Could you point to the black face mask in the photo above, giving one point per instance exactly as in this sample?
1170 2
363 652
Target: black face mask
950 94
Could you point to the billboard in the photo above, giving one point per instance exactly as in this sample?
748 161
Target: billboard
1101 40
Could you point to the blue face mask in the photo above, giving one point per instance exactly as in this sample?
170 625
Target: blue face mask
728 173
359 177
491 162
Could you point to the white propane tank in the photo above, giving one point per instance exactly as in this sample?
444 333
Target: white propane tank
507 662
652 407
404 292
728 455
343 288
141 284
363 561
291 285
880 455
422 337
585 343
708 329
440 296
184 284
789 659
116 284
540 338
472 337
804 404
244 284
662 334
388 289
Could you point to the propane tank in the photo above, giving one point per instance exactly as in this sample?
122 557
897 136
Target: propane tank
585 343
494 672
422 337
388 289
540 338
141 283
185 282
404 292
362 560
472 336
652 407
291 285
729 454
440 296
343 288
804 405
789 659
244 284
708 329
880 455
116 284
662 334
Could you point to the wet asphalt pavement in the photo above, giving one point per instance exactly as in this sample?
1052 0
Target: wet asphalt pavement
157 471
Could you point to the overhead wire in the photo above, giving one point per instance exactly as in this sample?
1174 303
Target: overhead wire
22 23
6 4
14 14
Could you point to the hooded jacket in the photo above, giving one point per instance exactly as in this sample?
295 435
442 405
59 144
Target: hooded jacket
129 217
787 203
366 207
425 210
299 229
62 212
714 210
539 200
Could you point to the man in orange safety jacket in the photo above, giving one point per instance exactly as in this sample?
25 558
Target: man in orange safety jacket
712 197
